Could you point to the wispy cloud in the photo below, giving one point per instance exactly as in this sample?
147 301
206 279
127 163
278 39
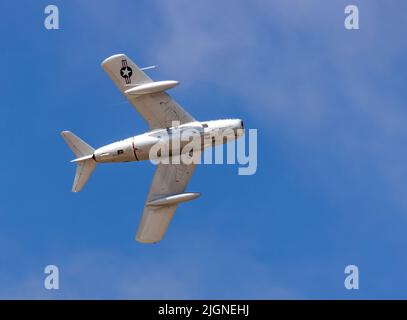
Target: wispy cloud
296 73
114 275
293 61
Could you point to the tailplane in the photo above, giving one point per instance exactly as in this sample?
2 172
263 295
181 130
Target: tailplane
84 161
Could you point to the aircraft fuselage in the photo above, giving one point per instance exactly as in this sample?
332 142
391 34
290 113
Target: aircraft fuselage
138 148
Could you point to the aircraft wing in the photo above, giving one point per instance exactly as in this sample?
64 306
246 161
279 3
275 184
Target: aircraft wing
169 179
158 109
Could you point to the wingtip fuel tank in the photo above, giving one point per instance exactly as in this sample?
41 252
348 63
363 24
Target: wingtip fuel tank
151 87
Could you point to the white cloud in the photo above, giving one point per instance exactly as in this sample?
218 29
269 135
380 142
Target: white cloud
294 62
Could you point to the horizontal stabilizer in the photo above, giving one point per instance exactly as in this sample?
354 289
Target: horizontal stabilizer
79 147
85 162
90 156
83 171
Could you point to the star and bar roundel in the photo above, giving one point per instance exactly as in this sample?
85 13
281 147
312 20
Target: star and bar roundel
126 72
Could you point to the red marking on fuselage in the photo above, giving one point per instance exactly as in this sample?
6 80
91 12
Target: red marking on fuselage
134 148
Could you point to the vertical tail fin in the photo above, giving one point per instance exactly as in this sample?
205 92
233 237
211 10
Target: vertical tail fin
85 162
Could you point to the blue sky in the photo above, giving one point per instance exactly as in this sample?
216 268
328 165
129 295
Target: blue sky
329 106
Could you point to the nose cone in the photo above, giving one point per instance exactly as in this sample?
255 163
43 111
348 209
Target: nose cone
241 124
238 127
238 124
